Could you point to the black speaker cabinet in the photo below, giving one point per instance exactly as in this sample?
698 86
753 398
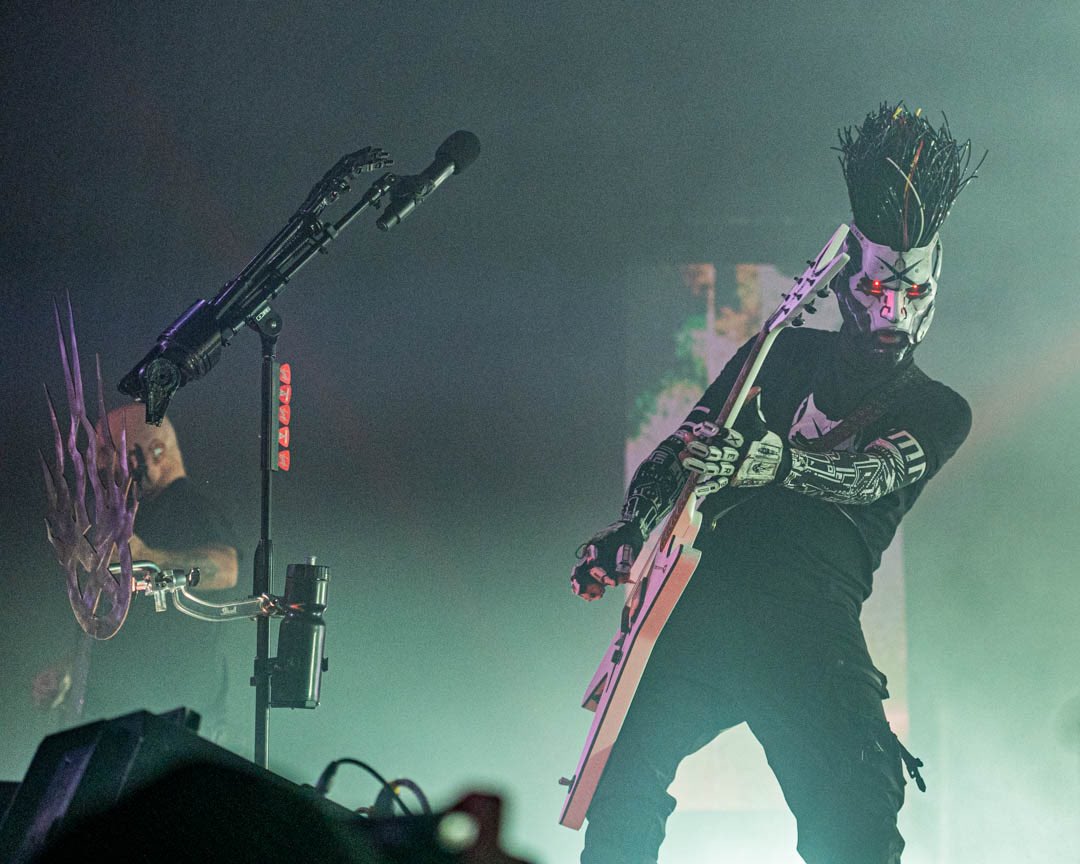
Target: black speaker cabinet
146 787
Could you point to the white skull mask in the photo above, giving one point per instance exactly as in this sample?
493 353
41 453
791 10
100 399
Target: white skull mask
888 302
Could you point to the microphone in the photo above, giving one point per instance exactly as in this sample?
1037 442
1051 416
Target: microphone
454 155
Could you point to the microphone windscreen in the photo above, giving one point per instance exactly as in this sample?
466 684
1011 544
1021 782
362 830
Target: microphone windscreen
461 148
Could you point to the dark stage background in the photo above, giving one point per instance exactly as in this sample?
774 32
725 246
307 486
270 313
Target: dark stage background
460 390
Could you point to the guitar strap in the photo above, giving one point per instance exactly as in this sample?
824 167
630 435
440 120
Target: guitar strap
866 413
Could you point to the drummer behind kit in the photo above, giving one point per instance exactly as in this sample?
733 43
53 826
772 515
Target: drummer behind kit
101 576
90 785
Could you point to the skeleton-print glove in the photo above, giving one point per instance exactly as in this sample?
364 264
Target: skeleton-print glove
747 455
605 559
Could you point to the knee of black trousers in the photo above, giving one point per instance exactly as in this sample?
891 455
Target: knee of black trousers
860 825
615 802
879 770
866 787
626 828
872 758
618 809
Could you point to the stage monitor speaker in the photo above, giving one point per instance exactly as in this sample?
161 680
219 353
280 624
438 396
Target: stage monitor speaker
146 787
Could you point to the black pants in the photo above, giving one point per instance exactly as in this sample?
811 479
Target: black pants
810 695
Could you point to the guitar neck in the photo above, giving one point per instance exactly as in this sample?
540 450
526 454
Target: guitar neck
747 376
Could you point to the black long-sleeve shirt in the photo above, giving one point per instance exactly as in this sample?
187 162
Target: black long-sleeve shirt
777 545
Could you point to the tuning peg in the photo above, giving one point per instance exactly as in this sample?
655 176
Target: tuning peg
797 321
823 292
810 310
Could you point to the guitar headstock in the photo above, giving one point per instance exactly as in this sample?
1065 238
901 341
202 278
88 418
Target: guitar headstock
812 284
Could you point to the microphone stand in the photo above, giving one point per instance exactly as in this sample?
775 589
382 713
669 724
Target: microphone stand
192 345
269 327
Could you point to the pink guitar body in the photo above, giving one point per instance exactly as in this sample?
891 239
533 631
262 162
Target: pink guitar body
659 576
616 680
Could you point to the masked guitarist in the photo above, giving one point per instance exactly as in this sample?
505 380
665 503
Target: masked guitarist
800 499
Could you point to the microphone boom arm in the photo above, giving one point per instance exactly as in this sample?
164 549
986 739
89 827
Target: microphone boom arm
190 347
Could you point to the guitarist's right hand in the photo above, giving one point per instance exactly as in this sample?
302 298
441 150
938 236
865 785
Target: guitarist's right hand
605 559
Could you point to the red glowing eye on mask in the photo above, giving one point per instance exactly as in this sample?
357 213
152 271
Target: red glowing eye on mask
871 286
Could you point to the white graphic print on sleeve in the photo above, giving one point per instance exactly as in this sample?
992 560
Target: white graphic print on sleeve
843 474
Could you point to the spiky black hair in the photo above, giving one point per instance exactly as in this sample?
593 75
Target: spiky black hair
902 175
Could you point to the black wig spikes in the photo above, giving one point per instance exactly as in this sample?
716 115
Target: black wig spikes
902 175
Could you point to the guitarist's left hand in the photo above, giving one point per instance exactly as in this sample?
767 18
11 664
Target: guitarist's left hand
747 455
